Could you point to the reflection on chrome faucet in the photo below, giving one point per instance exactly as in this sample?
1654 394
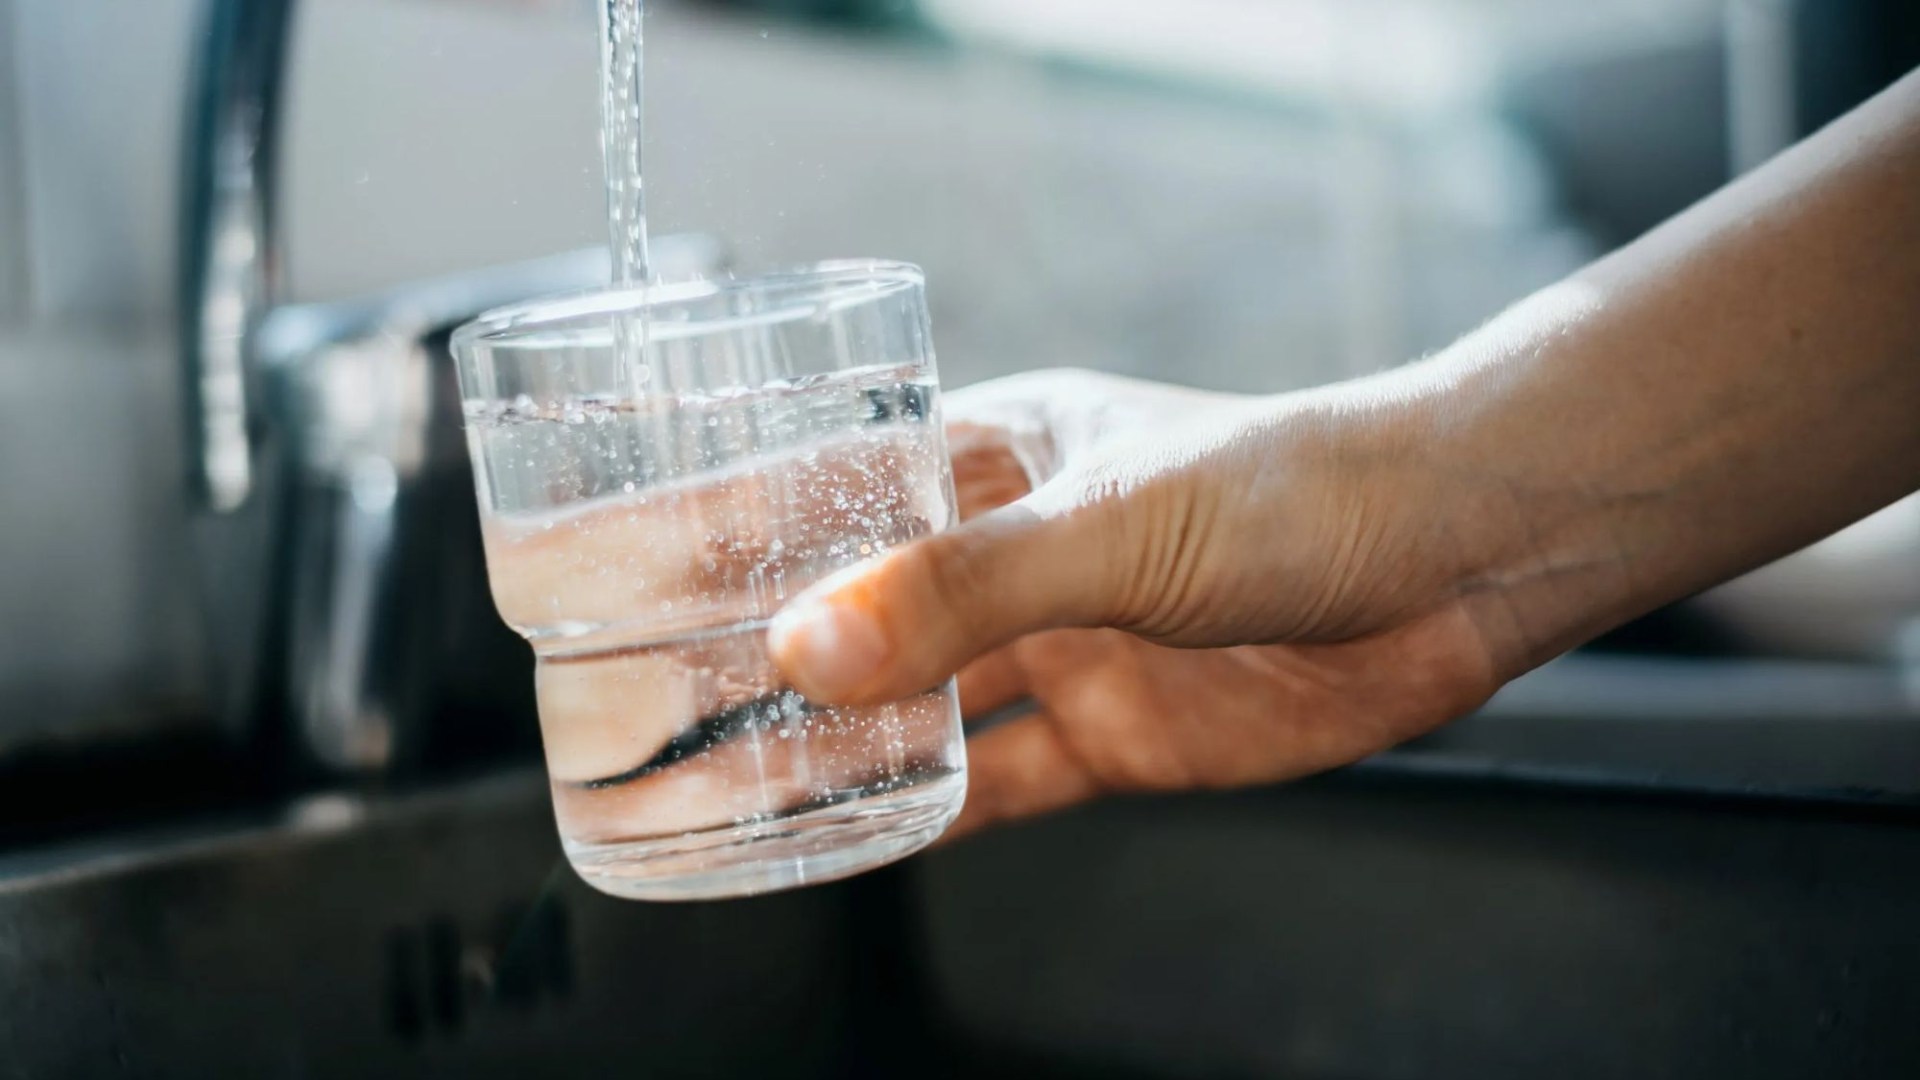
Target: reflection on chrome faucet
229 250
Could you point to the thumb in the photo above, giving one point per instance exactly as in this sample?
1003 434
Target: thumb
895 626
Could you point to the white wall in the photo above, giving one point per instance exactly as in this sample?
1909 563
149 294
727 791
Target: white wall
101 85
1074 219
13 241
427 138
1064 219
421 137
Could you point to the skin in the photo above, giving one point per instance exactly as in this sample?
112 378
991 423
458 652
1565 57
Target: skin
1204 591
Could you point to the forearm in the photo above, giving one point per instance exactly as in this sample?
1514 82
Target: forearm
1735 385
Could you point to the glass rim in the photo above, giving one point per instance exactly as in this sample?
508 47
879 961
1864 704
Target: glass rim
529 317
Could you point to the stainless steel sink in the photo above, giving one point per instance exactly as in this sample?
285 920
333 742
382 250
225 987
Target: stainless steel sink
431 934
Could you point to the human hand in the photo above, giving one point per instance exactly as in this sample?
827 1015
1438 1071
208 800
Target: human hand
1205 591
1194 590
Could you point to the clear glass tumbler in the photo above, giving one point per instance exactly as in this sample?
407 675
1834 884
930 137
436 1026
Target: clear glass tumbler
644 519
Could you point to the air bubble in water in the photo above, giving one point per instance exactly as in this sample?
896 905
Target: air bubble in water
606 591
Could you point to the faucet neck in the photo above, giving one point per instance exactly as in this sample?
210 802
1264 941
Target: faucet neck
229 249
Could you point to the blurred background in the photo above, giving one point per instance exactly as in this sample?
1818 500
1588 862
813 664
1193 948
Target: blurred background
269 794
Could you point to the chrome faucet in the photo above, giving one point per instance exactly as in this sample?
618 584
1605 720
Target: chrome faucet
324 444
229 248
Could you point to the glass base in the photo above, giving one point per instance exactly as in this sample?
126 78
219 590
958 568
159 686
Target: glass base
806 848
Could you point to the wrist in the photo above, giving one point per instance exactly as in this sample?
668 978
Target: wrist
1540 535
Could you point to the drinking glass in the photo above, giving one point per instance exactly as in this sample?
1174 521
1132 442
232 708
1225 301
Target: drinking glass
659 470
